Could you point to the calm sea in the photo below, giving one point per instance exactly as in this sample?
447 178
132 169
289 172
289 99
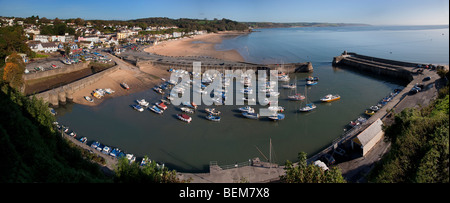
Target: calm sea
191 147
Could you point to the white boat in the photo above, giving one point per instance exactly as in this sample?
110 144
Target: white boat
289 86
309 83
273 94
296 97
125 85
308 107
142 102
276 108
212 111
88 98
277 117
247 109
213 118
131 158
374 108
250 115
109 90
156 109
106 150
187 110
137 108
330 98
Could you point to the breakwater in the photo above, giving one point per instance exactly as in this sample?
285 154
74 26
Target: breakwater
379 66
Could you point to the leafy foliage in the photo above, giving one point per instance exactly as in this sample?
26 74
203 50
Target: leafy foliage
31 149
304 173
420 146
150 173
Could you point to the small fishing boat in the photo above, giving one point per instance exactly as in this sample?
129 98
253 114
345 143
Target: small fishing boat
184 117
131 158
52 111
311 78
165 101
213 118
187 110
109 91
156 109
277 117
247 109
374 108
212 111
161 105
250 115
137 108
276 108
145 161
115 152
310 83
273 94
308 107
95 144
106 150
158 90
289 86
369 112
88 98
296 97
125 85
188 104
194 105
83 139
330 98
142 102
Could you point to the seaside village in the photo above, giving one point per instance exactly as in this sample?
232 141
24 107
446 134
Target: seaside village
87 38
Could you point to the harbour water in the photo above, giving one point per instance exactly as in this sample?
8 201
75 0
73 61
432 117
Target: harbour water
190 147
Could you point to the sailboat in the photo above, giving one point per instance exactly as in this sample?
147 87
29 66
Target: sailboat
308 106
296 96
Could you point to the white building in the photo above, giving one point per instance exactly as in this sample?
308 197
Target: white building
369 137
176 34
42 38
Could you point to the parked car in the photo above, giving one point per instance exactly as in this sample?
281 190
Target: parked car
427 78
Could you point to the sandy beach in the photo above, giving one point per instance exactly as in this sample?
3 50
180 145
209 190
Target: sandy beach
138 79
199 45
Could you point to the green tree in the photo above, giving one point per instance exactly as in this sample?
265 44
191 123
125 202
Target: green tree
304 173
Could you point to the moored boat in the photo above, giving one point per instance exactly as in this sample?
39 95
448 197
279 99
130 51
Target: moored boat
187 110
296 97
311 78
250 115
212 111
88 98
184 118
137 108
161 105
213 118
277 117
310 83
308 107
156 109
330 98
125 85
276 108
289 86
142 102
247 109
369 112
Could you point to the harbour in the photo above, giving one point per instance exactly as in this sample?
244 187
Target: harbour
233 127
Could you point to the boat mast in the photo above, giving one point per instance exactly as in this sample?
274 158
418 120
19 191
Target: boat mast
270 154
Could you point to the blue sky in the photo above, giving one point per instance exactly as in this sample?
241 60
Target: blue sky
375 12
